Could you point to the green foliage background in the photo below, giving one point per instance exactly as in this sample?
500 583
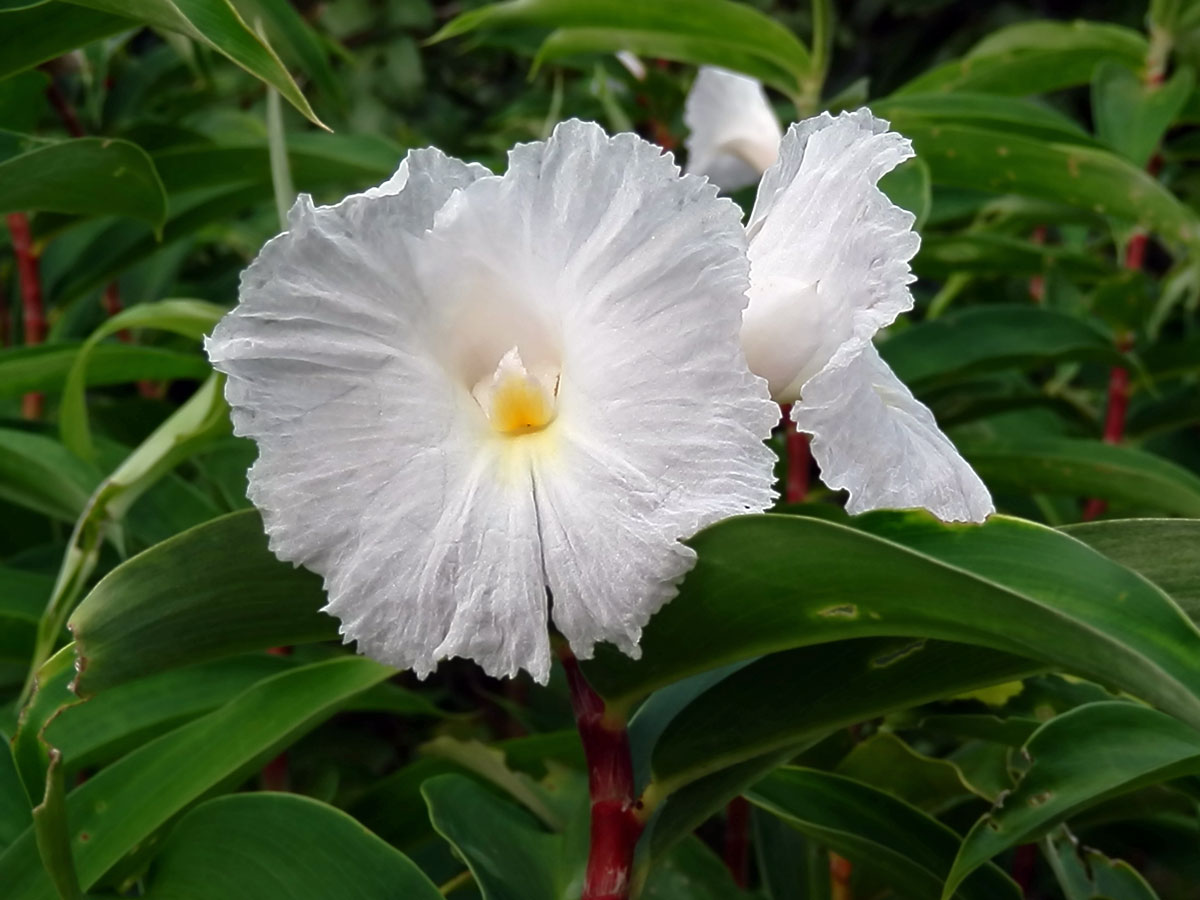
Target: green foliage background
979 712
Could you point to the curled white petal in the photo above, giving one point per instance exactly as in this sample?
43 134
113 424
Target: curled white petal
474 389
873 438
829 252
733 132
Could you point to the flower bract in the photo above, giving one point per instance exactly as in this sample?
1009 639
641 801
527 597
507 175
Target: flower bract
733 132
483 401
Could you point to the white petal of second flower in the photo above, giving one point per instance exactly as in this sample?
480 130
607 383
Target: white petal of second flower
733 132
873 438
824 236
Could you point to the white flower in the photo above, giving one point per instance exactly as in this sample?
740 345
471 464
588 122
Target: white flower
829 258
734 134
470 390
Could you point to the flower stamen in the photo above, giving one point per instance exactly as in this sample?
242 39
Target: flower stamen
516 400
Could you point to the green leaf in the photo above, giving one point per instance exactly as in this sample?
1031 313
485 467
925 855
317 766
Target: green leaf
909 850
50 832
44 367
15 812
795 698
989 338
125 803
1001 161
986 253
508 852
297 41
1081 757
1034 58
217 24
189 318
885 762
1132 116
84 176
188 429
1014 115
716 32
129 715
768 711
908 187
1087 874
39 473
31 36
736 55
771 582
1083 468
255 846
210 592
1167 551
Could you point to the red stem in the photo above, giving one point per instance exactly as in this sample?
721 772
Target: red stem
275 775
66 112
33 312
1037 283
616 819
840 872
737 840
799 458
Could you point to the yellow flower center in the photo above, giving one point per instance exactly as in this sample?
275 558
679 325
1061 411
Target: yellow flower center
516 400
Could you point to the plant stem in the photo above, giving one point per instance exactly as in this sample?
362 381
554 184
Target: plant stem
737 840
840 872
33 313
616 813
799 458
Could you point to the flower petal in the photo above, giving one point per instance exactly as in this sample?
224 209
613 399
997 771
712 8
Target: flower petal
734 132
637 277
829 251
374 468
873 438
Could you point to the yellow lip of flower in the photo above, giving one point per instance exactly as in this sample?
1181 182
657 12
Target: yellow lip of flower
516 400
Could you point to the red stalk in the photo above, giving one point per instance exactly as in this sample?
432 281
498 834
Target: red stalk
799 458
737 840
33 313
840 872
616 811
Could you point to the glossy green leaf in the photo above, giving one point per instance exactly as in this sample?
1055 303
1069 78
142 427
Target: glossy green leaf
394 809
191 427
508 851
988 338
911 851
41 32
1001 161
1167 551
770 582
1079 758
39 473
1014 115
44 367
217 24
1034 58
885 762
189 318
986 253
84 176
736 55
797 697
210 592
1131 116
1087 874
297 42
716 32
766 712
125 803
50 829
255 846
908 187
15 807
1083 468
